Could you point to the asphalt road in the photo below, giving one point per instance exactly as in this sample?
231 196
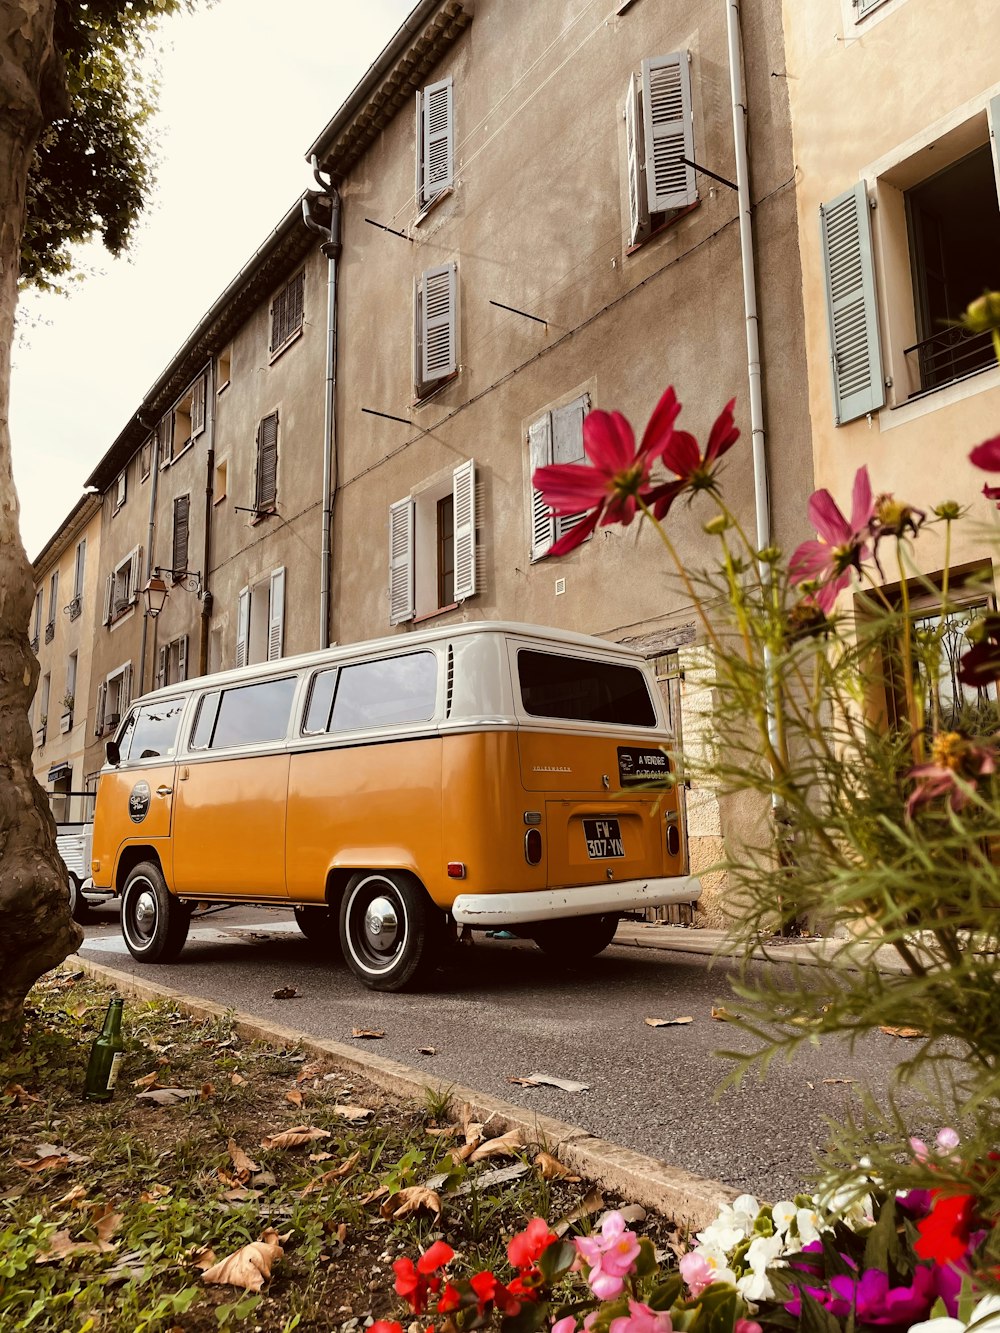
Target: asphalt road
505 1010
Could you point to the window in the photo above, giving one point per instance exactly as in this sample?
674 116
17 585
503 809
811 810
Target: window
154 731
556 437
37 633
114 694
171 662
145 454
863 7
220 481
435 141
389 692
44 693
223 369
433 547
260 620
188 418
76 605
286 313
121 589
179 546
435 344
659 134
583 690
245 715
121 489
69 698
266 487
165 440
50 624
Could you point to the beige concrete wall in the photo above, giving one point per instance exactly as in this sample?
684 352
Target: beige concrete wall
889 100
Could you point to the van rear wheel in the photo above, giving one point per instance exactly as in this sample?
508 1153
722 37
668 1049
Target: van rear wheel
390 931
575 937
154 922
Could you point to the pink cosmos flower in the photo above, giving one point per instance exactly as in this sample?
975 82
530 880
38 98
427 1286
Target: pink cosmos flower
987 457
697 1272
610 483
695 470
642 1319
956 764
842 545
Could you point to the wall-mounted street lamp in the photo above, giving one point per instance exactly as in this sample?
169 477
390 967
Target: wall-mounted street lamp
156 592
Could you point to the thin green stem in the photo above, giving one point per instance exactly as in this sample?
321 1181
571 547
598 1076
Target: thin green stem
684 577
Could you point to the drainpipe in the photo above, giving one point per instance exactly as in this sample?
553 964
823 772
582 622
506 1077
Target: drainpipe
206 556
314 202
154 467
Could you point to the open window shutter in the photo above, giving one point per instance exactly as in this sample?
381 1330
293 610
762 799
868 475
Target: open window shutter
182 658
182 510
851 307
198 407
296 302
437 325
242 626
126 690
438 139
278 319
276 615
668 132
994 119
401 590
102 700
267 463
638 216
464 498
109 592
161 666
540 455
135 574
567 447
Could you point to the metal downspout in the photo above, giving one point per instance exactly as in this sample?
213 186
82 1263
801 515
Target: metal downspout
331 248
154 465
206 595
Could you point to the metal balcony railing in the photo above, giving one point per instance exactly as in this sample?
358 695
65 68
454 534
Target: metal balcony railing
948 356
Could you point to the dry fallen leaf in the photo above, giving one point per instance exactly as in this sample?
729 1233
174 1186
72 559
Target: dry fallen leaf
668 1022
20 1095
379 1193
506 1145
62 1246
154 1193
352 1112
307 1072
236 1079
321 1157
370 1034
441 1131
148 1081
286 993
839 1080
522 1082
203 1259
328 1177
722 1014
105 1220
901 1032
207 1092
167 1096
53 1162
249 1267
294 1096
552 1169
592 1203
294 1137
73 1196
411 1200
242 1164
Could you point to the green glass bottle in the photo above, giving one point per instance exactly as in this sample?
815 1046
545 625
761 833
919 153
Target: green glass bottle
106 1056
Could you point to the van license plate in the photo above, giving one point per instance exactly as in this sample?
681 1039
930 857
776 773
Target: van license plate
604 839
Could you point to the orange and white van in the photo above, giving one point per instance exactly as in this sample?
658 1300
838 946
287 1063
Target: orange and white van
482 776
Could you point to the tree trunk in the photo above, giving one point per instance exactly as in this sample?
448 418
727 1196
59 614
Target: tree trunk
36 930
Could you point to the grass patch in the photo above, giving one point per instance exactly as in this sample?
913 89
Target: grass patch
108 1211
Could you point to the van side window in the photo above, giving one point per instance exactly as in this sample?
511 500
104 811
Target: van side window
390 690
317 718
154 735
204 722
583 690
247 715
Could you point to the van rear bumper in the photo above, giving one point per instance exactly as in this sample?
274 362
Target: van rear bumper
501 909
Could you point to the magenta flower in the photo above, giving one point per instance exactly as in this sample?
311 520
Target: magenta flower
642 1319
841 545
609 485
872 1300
987 457
956 765
695 470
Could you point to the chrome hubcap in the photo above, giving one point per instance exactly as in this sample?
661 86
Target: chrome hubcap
381 925
145 913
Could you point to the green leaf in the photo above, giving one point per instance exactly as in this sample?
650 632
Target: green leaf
556 1260
665 1294
815 1318
882 1243
646 1260
530 1319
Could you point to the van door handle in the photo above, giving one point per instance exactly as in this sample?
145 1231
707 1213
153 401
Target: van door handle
164 791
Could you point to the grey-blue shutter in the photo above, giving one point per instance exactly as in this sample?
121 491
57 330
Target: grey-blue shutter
994 119
851 305
438 139
438 302
276 615
668 132
567 447
540 455
464 501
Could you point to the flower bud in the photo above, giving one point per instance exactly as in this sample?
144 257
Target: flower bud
770 555
948 509
983 313
715 527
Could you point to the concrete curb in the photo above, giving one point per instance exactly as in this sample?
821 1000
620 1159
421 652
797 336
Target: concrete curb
670 1190
714 944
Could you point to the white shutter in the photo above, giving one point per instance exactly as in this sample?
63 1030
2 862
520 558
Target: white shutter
161 666
182 658
276 615
198 407
464 500
567 447
438 139
994 120
418 185
109 592
401 590
242 626
851 308
126 688
540 455
102 699
438 293
638 215
135 574
668 132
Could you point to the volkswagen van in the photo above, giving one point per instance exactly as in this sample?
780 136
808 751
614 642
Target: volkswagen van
397 793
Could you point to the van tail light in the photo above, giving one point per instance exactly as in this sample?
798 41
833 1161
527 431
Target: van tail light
673 840
533 847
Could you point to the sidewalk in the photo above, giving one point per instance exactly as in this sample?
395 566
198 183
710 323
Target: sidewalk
814 952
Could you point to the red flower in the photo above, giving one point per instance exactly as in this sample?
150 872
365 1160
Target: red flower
385 1326
987 455
609 485
436 1257
526 1248
489 1290
695 470
945 1231
411 1280
449 1299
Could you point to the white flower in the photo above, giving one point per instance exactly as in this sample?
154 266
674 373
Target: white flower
809 1225
783 1215
985 1319
764 1253
733 1224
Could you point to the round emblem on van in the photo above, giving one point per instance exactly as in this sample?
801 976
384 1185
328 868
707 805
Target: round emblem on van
138 802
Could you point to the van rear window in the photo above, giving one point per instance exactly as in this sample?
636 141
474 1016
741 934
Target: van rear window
582 690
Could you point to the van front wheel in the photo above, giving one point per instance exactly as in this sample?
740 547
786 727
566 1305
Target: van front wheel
389 929
575 937
154 922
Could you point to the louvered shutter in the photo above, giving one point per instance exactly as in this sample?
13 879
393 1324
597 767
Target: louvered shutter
242 626
866 6
267 463
540 455
638 216
438 139
102 700
418 185
278 307
182 657
668 132
135 574
464 499
994 119
437 323
182 511
276 615
296 295
198 407
851 306
567 447
126 690
161 666
109 592
401 582
164 439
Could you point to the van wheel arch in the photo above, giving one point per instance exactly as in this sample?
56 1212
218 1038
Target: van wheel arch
129 859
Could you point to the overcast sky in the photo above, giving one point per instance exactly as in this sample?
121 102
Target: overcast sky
246 87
